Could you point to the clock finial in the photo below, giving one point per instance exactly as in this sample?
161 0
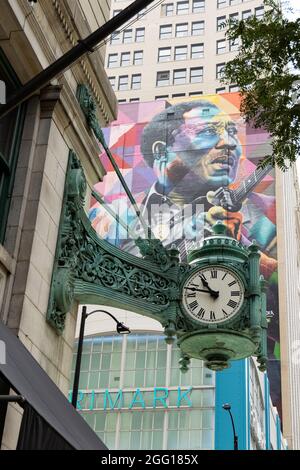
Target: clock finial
219 228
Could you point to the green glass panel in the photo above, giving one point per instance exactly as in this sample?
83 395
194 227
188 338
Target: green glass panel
86 346
196 397
97 345
152 343
105 362
173 396
161 344
131 343
208 398
93 380
161 359
175 376
183 439
158 437
100 421
159 417
196 419
115 361
184 417
195 440
89 418
126 419
129 378
130 360
139 378
207 439
117 345
95 362
107 346
140 360
99 401
175 358
111 421
173 419
172 440
109 440
147 419
208 377
207 419
124 440
135 440
103 379
151 360
137 420
150 378
85 362
185 379
197 376
114 379
146 440
160 378
83 380
141 344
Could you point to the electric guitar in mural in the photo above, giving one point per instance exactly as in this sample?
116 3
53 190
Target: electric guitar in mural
229 199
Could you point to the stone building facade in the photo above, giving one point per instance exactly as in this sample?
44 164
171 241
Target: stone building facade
35 141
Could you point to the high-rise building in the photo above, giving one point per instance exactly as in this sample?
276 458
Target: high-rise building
174 49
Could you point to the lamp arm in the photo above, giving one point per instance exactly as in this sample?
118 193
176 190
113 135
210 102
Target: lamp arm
103 311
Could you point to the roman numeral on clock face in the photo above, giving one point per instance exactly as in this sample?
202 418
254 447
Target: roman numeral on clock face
232 303
235 293
212 315
214 274
201 313
191 294
232 283
194 305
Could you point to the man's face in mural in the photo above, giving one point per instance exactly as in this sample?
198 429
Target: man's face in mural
206 149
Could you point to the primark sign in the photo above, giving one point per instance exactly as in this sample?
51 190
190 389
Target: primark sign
158 397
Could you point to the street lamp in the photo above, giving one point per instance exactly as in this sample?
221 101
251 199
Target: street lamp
227 407
121 329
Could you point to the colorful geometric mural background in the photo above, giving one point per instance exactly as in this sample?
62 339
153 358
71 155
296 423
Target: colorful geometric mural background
186 162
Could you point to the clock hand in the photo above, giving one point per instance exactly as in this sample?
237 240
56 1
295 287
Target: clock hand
214 293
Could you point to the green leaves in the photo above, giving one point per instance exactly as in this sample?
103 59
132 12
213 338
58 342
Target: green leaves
266 70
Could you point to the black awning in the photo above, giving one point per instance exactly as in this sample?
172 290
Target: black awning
28 379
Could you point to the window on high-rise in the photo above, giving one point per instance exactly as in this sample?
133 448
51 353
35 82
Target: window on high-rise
164 54
179 77
221 46
165 31
233 88
182 8
142 13
112 61
125 59
197 51
137 57
167 9
180 53
259 12
222 3
221 23
234 17
161 97
234 2
140 35
163 78
246 14
112 82
134 100
220 90
195 93
234 45
181 29
127 35
136 81
123 83
196 75
115 38
197 28
198 6
219 70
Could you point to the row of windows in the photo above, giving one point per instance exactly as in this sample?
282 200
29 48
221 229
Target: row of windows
125 59
128 36
183 8
196 28
230 3
179 76
221 20
232 89
125 82
195 51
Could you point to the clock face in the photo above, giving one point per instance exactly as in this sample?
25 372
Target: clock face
213 295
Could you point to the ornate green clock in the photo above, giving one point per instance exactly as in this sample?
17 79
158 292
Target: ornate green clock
215 304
